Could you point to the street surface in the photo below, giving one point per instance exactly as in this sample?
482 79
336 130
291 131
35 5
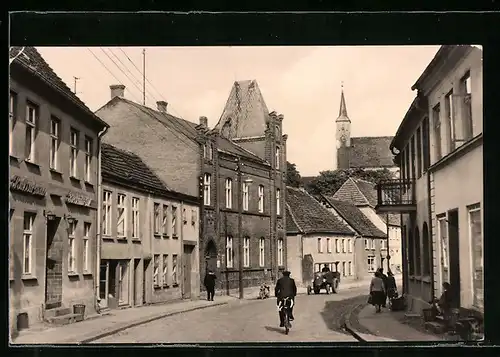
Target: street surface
317 319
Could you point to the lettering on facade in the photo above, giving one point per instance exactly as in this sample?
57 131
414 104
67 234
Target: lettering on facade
78 199
23 184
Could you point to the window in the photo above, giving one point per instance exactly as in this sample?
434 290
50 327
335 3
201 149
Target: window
366 244
262 243
245 196
165 270
372 244
261 198
210 151
193 217
419 152
55 125
280 252
450 117
31 126
205 150
383 244
106 202
156 223
425 143
174 222
135 217
246 251
476 238
443 242
343 246
344 271
71 247
174 269
156 272
412 159
328 245
466 90
165 220
371 264
337 246
12 118
320 245
73 143
88 159
436 114
29 221
206 189
229 252
121 228
350 245
350 268
229 193
86 248
278 203
418 255
278 157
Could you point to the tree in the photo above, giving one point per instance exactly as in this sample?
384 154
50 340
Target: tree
292 175
328 182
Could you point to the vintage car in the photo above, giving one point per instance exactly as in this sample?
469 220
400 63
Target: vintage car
324 280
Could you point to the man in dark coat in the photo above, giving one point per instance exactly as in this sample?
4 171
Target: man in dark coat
210 285
325 269
385 280
285 288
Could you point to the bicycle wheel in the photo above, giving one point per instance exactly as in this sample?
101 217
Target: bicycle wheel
287 322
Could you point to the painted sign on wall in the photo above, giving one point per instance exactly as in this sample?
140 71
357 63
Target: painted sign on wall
23 184
78 199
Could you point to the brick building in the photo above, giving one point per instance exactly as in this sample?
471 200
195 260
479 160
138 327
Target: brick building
149 249
54 148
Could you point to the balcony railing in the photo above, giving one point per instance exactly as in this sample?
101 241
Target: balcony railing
396 196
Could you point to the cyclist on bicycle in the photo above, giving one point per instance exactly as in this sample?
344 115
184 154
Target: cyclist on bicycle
285 288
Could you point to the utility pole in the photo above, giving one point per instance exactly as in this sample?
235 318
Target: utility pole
74 83
143 76
387 246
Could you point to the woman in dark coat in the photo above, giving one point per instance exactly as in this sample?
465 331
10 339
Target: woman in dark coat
377 292
392 289
210 285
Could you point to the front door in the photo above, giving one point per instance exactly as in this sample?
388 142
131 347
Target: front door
145 281
103 283
136 300
53 266
186 271
454 266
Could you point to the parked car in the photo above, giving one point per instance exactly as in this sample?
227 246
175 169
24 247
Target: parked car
328 281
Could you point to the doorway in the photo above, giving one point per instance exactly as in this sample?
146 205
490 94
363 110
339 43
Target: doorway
454 263
186 271
136 288
147 262
211 257
53 266
103 283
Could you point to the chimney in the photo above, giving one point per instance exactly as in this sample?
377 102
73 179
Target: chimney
162 106
204 121
117 90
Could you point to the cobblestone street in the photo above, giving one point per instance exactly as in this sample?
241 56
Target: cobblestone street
318 318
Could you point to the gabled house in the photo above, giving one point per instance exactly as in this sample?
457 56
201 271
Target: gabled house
316 237
370 243
438 146
146 225
363 194
54 146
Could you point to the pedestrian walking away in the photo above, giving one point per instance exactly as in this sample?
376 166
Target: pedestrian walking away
377 291
385 280
209 282
285 288
392 289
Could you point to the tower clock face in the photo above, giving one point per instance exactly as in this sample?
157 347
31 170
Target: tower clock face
343 138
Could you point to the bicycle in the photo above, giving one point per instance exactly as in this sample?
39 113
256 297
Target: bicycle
285 306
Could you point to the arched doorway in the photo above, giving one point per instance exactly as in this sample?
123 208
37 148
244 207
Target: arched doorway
211 256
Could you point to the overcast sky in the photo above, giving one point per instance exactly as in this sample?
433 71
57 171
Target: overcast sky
302 83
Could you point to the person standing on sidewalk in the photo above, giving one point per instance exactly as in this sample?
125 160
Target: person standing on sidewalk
209 282
377 291
386 288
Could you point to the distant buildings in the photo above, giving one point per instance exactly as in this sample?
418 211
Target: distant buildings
438 147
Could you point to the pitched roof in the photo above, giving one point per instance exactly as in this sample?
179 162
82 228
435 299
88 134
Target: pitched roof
368 189
343 109
394 219
127 166
245 113
371 151
30 59
310 216
356 219
291 226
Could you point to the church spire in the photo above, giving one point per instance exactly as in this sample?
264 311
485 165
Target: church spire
343 108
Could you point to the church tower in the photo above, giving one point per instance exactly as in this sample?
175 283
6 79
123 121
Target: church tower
343 134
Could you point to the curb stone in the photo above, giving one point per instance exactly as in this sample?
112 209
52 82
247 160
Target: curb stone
349 328
145 321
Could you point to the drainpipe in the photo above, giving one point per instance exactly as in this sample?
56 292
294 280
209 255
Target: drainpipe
181 263
429 227
97 273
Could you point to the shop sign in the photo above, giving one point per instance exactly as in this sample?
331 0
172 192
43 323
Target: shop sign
78 199
23 184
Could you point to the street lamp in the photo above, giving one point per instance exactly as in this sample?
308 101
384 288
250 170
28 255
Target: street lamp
240 224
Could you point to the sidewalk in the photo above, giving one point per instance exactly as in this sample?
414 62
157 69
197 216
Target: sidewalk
118 320
387 326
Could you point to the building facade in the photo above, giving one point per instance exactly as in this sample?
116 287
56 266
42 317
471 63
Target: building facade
54 143
439 148
149 245
316 237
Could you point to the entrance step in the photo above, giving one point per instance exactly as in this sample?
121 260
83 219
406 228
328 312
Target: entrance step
435 327
65 319
59 311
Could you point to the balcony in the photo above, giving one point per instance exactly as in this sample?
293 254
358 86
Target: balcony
396 196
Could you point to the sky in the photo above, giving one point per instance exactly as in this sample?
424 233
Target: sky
302 83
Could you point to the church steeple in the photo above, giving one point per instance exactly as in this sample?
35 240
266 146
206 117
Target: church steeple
343 134
343 108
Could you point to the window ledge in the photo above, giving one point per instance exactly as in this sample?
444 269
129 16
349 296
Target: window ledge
74 178
136 240
88 183
166 236
87 273
14 158
166 286
175 236
157 235
54 171
121 238
31 163
107 238
28 277
73 274
157 287
175 285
